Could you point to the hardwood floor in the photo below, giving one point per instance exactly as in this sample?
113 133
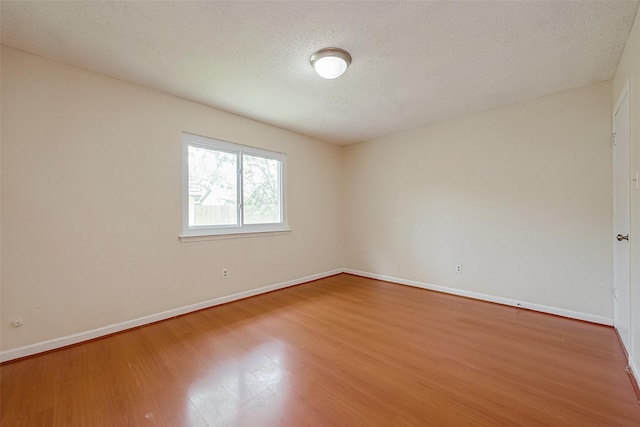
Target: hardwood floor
341 351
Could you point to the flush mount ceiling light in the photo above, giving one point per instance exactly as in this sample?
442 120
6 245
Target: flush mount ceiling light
330 62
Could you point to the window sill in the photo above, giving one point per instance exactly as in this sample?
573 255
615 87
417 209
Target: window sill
242 235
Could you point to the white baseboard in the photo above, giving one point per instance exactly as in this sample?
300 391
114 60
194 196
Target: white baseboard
55 343
484 297
119 327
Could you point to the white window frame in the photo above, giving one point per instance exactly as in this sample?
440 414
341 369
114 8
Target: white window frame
230 231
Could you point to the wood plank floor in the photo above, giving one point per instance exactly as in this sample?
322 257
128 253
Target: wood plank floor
341 351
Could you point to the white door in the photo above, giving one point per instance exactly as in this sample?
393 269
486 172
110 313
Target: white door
621 308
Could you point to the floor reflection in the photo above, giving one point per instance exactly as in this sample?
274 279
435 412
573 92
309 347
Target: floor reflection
243 391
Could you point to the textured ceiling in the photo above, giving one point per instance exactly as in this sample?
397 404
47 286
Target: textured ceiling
414 63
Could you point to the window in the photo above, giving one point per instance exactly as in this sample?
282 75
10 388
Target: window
231 188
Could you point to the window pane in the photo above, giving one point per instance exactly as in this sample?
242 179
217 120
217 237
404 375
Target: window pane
213 187
261 190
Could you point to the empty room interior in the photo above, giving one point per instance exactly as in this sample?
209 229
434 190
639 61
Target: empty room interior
229 213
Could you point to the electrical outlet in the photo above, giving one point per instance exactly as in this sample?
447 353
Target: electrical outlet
17 321
459 268
225 273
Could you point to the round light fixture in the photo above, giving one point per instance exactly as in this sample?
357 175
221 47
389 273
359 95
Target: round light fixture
330 62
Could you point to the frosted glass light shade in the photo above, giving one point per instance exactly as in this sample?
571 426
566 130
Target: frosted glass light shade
331 62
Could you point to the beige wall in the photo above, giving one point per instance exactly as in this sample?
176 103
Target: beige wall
91 203
629 69
520 196
91 170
